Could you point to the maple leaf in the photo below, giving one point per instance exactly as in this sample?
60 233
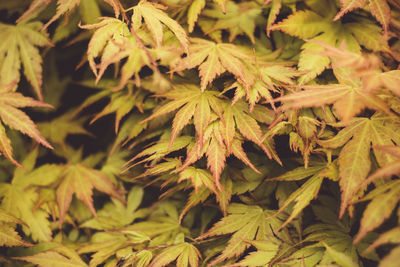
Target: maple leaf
374 215
316 24
58 129
391 236
199 178
184 253
19 46
266 251
271 77
110 32
213 59
276 6
116 215
106 244
389 169
378 8
89 9
8 236
237 19
340 258
162 226
348 97
19 197
358 138
193 13
309 190
194 103
244 222
18 120
81 180
59 256
154 18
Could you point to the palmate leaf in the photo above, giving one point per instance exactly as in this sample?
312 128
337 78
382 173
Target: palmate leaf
213 59
154 18
107 244
237 19
348 97
266 251
62 257
115 215
354 160
245 223
379 209
20 46
268 78
378 8
89 9
309 190
81 180
19 198
193 13
162 225
8 236
390 169
184 253
316 24
192 103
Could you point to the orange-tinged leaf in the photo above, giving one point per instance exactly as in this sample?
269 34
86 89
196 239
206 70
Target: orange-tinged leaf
20 45
154 18
391 80
213 59
381 11
349 5
273 13
377 211
63 6
392 236
347 100
227 127
109 30
238 151
202 117
391 259
10 238
181 119
35 5
216 156
194 11
248 127
116 5
5 146
81 180
18 120
210 69
354 158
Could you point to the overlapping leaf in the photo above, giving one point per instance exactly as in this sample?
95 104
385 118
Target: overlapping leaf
245 223
20 47
358 138
214 59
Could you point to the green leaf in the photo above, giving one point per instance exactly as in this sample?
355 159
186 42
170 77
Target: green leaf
19 45
340 258
184 253
52 258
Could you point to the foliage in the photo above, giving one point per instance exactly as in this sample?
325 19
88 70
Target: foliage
246 133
